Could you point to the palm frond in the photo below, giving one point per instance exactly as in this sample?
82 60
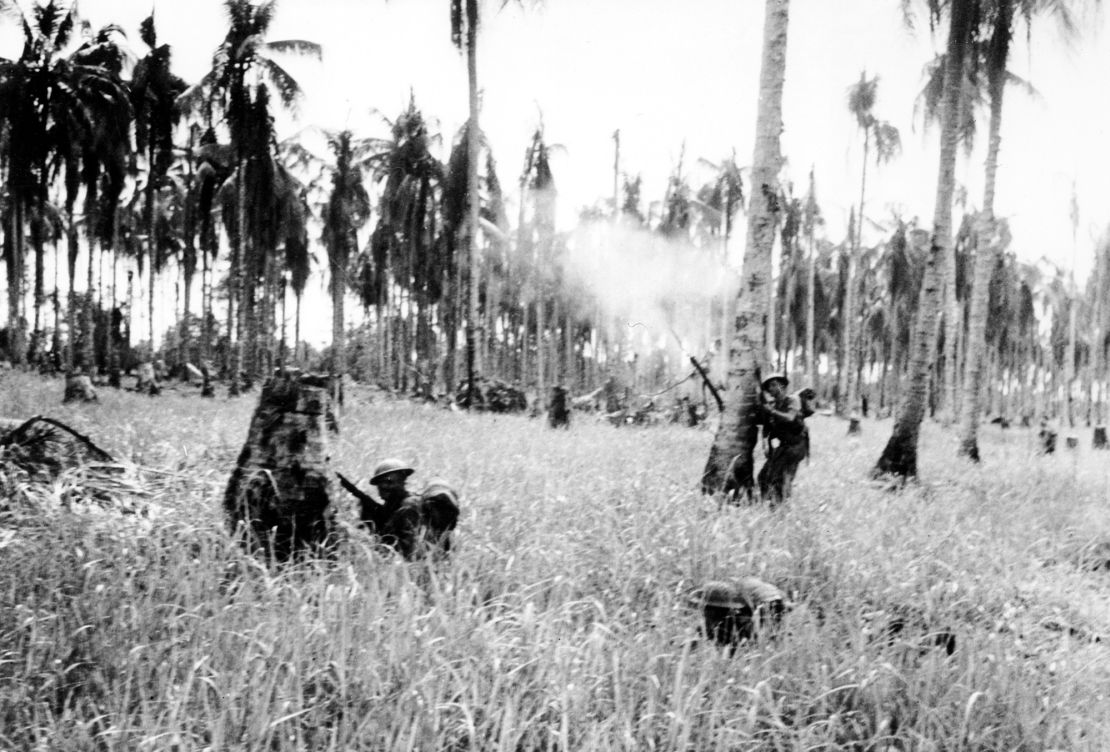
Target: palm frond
297 47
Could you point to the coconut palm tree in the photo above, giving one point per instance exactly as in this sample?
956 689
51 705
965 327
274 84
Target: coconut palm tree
886 141
736 436
899 457
154 93
406 247
994 57
464 35
59 107
348 209
244 68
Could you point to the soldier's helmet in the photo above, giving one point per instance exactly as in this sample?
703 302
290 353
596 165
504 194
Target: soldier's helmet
391 465
776 377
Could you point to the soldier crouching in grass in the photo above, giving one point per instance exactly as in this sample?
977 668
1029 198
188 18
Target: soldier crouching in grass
412 524
787 437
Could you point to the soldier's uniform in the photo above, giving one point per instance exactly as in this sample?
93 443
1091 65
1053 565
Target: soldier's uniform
412 524
785 429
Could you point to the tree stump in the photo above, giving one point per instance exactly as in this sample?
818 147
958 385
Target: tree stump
1072 442
1048 440
558 413
147 380
79 388
853 426
1098 440
280 490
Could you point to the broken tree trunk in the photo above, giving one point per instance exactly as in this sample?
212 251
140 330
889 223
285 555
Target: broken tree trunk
279 494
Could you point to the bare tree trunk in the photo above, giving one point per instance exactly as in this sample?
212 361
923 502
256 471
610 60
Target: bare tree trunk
71 312
88 351
899 457
729 465
473 149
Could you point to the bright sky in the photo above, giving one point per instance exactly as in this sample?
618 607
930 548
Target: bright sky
667 73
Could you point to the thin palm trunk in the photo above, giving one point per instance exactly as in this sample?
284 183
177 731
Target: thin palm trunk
811 307
473 155
899 457
89 342
71 309
735 442
852 397
16 343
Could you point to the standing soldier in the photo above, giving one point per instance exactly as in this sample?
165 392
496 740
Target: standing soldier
787 439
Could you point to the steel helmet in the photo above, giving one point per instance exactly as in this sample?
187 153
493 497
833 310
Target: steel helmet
391 465
437 487
775 377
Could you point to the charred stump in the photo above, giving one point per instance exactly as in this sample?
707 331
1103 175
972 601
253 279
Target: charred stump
558 414
1098 440
1047 439
853 426
1071 442
279 493
79 388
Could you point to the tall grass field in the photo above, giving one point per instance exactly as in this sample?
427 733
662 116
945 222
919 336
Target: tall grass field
561 621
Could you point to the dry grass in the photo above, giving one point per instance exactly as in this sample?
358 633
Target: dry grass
559 623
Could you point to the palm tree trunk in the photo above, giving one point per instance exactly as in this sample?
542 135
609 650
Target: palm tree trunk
71 309
811 307
88 355
852 398
338 346
37 338
899 457
729 465
17 343
473 155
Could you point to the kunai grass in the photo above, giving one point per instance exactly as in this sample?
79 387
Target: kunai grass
561 621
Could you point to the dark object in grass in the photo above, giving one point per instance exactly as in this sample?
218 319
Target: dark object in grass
1047 438
1071 442
1094 556
279 494
1001 422
739 610
1098 439
908 625
492 395
853 426
558 413
79 388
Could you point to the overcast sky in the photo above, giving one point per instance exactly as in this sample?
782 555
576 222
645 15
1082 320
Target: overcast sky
669 72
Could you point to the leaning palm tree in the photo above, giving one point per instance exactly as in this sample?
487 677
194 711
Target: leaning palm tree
242 63
735 441
887 143
899 457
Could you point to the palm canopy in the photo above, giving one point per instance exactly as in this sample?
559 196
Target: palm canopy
885 138
244 61
59 105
